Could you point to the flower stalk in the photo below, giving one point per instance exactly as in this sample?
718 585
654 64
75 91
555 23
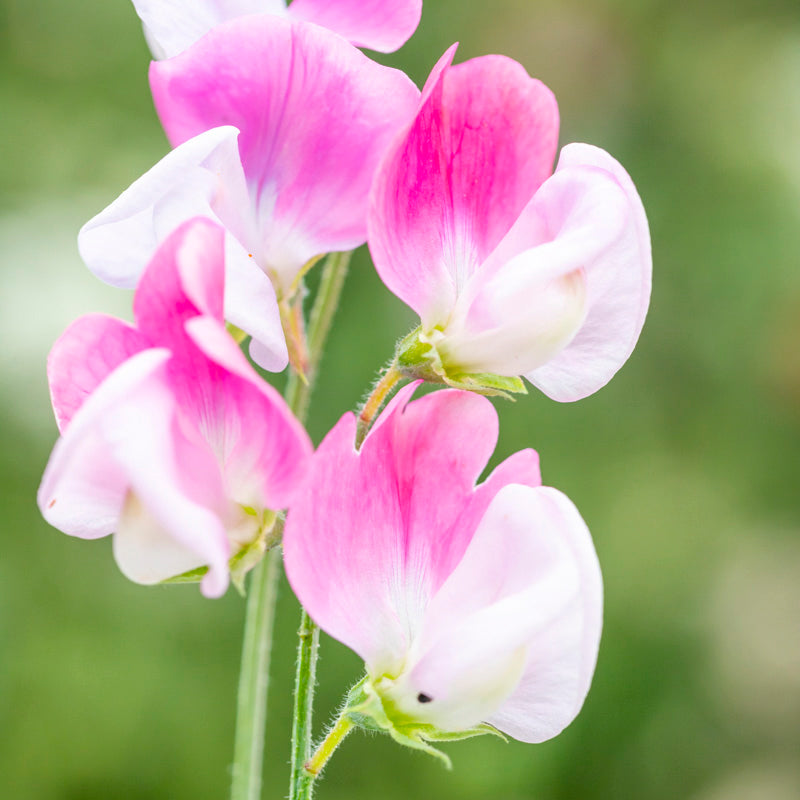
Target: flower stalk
382 390
259 620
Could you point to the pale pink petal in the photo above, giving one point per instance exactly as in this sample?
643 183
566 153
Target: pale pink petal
375 533
482 143
382 25
84 487
340 533
618 281
532 295
83 357
308 173
516 598
119 242
177 481
173 25
561 657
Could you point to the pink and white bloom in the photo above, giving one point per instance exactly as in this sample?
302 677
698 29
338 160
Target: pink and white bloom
513 270
383 25
170 440
278 129
468 603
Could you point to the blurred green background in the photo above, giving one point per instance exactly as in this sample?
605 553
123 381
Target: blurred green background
685 466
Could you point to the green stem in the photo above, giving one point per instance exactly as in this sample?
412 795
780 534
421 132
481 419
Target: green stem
251 707
314 766
305 681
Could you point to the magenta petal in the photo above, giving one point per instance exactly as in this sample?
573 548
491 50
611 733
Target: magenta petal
185 279
84 488
482 143
382 25
308 173
83 357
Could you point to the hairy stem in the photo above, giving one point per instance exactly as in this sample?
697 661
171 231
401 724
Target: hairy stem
372 405
314 765
251 708
305 681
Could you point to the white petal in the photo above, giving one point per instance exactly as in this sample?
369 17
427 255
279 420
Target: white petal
173 25
119 242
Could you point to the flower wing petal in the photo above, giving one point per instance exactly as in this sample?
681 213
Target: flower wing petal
618 281
523 604
83 488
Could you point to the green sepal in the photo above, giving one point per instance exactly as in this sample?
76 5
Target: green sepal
417 357
365 708
241 562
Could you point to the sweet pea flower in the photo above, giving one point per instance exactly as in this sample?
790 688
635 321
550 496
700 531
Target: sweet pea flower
170 440
383 25
514 271
278 128
469 604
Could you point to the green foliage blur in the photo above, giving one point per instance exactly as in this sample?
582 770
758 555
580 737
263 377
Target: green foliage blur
685 466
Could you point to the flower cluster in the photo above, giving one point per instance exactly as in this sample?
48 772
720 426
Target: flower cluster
476 607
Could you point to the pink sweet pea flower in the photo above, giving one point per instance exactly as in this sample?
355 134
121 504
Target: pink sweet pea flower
513 270
170 440
468 603
278 128
383 25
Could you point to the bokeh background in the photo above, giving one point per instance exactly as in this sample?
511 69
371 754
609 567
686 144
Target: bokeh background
685 466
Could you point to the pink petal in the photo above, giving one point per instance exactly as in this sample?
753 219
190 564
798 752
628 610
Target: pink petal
84 487
262 447
382 25
185 279
482 143
308 174
376 532
618 280
83 357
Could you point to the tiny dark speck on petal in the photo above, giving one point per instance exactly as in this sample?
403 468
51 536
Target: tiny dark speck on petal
424 698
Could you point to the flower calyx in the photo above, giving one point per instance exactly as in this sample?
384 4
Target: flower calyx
367 708
418 357
270 529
